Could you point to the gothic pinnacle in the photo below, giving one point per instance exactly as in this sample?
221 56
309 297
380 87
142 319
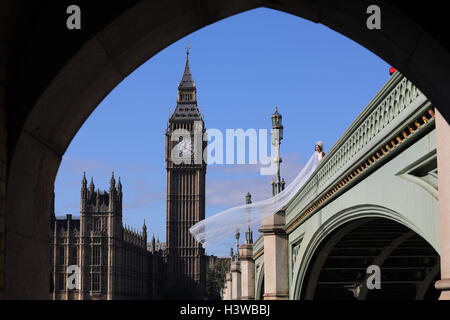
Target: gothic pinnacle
187 81
113 181
119 185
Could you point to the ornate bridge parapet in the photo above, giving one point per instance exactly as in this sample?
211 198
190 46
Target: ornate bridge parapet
386 160
396 117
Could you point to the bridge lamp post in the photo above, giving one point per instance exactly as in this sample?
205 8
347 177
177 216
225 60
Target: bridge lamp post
236 272
277 135
249 233
246 257
237 235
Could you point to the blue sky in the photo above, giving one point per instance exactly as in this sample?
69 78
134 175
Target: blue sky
243 66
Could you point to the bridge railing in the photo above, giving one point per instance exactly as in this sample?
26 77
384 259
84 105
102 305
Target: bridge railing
376 131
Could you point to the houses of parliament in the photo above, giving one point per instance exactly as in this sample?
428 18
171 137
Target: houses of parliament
117 262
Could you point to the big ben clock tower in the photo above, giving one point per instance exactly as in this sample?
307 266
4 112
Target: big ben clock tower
186 171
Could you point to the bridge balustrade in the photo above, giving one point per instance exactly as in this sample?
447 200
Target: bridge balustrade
393 115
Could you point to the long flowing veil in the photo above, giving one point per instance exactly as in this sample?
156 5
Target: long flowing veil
224 224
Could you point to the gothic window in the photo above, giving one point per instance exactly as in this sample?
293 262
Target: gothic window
61 255
61 281
96 255
97 224
75 255
95 282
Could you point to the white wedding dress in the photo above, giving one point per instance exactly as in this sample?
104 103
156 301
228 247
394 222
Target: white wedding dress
223 225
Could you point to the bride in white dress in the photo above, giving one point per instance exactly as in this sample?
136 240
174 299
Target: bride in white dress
223 225
319 150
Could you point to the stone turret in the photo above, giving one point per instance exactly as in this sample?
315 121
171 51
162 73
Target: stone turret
84 182
119 190
144 232
153 244
91 186
84 193
112 194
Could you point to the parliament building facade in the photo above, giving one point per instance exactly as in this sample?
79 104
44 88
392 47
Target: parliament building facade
116 262
113 260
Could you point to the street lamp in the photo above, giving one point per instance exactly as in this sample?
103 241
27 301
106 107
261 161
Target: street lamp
231 257
249 233
277 135
237 244
277 127
248 198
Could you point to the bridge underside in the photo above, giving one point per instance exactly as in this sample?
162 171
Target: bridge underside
409 265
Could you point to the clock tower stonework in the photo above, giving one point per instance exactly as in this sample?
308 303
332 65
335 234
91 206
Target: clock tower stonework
186 172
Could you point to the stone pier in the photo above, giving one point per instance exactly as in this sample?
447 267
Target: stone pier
247 272
443 157
228 287
276 281
236 280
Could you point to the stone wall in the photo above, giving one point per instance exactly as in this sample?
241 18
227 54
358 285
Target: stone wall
3 165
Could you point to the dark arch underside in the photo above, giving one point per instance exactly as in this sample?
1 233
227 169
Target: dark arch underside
55 71
409 265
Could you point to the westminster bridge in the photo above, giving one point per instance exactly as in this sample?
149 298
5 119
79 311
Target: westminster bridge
372 200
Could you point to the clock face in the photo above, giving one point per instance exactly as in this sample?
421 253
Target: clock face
184 148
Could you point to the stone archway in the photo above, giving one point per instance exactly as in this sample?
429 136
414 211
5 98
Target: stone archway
259 288
113 51
409 266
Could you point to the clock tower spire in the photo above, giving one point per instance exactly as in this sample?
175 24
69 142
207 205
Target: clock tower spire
186 108
185 192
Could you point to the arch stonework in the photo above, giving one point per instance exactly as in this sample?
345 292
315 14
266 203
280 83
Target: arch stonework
259 285
383 194
340 219
40 130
